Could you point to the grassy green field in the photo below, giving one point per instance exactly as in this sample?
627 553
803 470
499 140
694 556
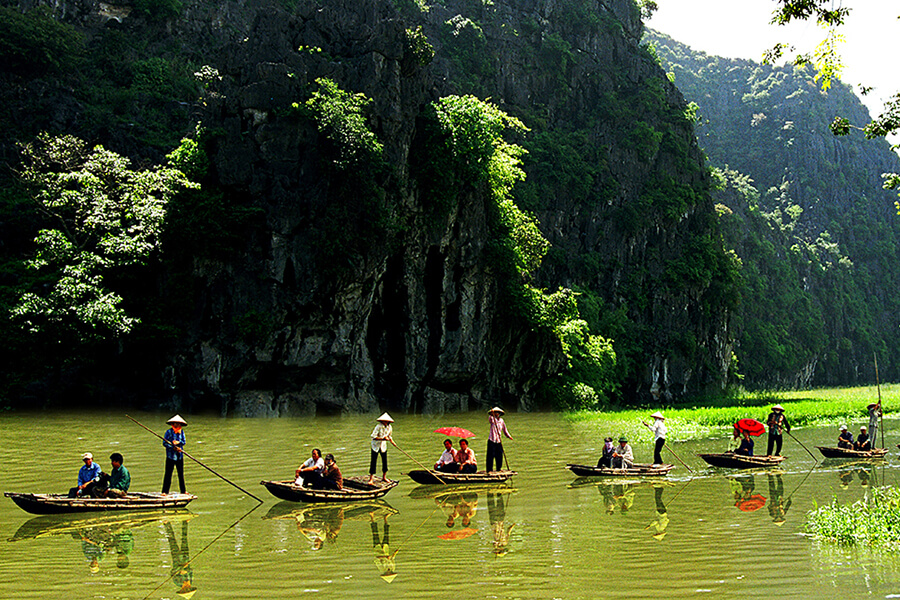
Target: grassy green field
831 406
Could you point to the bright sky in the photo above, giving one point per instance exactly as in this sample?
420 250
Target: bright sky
741 29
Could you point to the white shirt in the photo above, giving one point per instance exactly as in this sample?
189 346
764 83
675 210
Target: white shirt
381 431
447 457
659 429
319 464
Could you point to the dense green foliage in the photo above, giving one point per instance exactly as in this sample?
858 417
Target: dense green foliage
873 521
36 43
805 213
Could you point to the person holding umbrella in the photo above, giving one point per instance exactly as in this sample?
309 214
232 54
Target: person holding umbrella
778 424
495 441
174 441
746 447
659 435
381 435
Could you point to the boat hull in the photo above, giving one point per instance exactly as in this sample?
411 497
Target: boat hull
437 477
831 452
56 504
636 470
355 488
730 460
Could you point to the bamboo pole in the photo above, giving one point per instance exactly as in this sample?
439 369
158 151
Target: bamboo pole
880 409
418 463
223 478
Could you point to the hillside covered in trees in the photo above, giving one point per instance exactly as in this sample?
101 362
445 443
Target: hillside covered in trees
805 211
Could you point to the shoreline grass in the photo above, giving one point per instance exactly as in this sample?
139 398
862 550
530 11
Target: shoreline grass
826 406
873 521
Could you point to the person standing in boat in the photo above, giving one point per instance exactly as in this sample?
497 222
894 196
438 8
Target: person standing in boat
863 443
495 441
381 435
845 438
623 455
778 424
659 435
88 476
874 413
465 457
310 472
447 462
174 441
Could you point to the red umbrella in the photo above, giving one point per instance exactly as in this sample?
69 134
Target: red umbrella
754 502
455 432
459 534
751 426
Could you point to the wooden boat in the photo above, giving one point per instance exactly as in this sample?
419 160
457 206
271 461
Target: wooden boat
430 476
54 504
831 452
730 460
355 488
635 470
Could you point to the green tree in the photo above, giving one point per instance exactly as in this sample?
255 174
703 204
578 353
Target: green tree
100 217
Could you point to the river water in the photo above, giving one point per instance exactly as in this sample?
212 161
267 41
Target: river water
547 535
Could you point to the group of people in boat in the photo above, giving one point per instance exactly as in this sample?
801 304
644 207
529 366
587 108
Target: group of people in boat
863 442
457 461
621 456
319 473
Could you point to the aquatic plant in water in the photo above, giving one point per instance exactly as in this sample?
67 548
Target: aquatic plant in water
873 521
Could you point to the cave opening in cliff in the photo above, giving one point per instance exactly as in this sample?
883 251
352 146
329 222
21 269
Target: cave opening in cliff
386 334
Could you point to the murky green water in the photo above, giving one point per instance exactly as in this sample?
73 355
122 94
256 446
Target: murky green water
719 534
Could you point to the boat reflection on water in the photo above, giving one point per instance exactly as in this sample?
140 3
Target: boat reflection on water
101 535
778 506
321 523
742 488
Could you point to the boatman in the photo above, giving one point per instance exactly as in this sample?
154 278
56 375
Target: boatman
623 456
381 435
874 412
174 441
659 435
88 476
845 439
778 424
495 441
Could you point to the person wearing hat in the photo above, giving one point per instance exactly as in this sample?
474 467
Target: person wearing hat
659 435
381 435
608 449
88 476
778 424
845 438
863 442
174 441
874 412
623 456
495 441
331 478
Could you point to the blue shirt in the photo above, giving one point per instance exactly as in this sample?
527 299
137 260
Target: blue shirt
179 439
87 474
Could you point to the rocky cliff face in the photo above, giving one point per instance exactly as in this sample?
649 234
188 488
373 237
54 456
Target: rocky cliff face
316 313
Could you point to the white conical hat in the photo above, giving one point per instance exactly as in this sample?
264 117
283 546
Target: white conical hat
176 419
778 407
658 415
497 409
385 417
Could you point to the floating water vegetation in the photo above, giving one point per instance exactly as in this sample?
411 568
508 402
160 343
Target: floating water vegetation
873 521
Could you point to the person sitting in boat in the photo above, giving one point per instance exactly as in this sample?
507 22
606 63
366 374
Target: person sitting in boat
746 447
863 443
310 472
608 449
115 484
845 438
88 477
623 456
331 477
465 458
447 462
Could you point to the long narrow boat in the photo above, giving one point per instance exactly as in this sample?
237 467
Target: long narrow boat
831 452
635 470
730 460
355 488
430 476
54 504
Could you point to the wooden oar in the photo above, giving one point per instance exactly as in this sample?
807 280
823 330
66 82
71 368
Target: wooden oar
417 462
804 447
223 478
